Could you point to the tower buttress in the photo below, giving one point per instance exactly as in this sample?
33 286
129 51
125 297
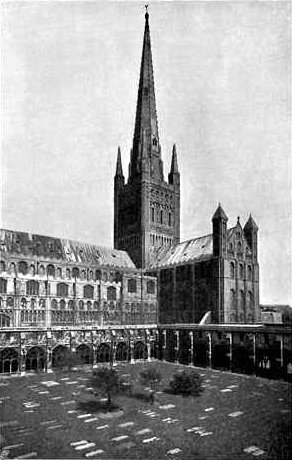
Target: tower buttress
219 221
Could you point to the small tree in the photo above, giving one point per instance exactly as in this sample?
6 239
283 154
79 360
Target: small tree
187 383
150 376
106 381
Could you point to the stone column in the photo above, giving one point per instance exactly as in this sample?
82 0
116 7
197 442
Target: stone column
209 335
254 351
281 352
191 335
49 352
22 353
176 346
230 349
164 345
148 345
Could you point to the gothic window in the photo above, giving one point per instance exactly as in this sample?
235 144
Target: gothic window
155 141
23 302
62 290
111 293
12 268
75 272
150 287
241 271
242 301
88 291
41 270
62 304
2 266
10 302
32 288
3 286
152 215
81 305
132 285
239 246
161 216
22 267
59 272
232 270
250 300
68 274
249 273
83 274
32 270
169 219
91 275
51 270
232 299
98 275
88 304
54 304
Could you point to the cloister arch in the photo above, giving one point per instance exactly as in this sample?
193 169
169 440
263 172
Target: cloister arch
103 353
35 359
9 360
60 356
84 354
140 350
122 352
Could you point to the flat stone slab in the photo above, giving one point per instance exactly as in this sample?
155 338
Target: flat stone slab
194 428
53 427
102 427
144 431
119 438
50 383
49 422
111 414
29 455
155 438
71 383
13 446
209 409
65 378
226 390
78 443
126 424
177 450
66 403
235 414
253 450
126 445
85 446
84 415
167 406
43 392
94 453
56 398
89 420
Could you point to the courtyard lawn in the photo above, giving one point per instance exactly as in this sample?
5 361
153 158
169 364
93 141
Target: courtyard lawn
56 416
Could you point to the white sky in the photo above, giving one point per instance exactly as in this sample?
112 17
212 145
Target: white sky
70 74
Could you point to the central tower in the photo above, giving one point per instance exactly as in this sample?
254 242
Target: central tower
146 208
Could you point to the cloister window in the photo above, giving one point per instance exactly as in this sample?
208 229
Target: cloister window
2 266
249 273
88 291
3 286
161 216
22 267
150 287
32 287
241 271
62 290
169 219
132 285
152 214
232 270
111 293
51 270
98 275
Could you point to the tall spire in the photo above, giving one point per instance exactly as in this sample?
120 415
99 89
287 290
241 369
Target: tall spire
173 176
146 117
119 167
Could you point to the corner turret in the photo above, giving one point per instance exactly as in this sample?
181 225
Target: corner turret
219 221
251 235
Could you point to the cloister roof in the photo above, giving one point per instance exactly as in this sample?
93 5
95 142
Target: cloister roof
48 247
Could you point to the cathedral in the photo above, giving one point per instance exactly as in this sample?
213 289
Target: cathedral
106 304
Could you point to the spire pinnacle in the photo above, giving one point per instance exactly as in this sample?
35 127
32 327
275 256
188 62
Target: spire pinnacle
119 167
146 117
219 213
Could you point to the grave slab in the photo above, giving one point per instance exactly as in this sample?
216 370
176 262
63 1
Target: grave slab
144 431
126 424
94 453
29 455
102 427
174 451
155 438
78 443
235 414
85 446
119 438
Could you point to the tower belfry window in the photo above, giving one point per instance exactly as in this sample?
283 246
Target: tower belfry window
152 215
154 141
161 216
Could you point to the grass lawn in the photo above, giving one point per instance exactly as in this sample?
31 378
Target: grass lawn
44 419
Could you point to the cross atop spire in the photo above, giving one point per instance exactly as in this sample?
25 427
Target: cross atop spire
146 117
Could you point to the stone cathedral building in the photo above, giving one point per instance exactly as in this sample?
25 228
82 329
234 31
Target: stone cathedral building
105 304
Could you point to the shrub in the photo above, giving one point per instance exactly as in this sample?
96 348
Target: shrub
187 383
150 376
105 381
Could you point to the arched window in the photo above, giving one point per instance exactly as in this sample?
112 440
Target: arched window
81 305
10 302
32 287
88 291
2 266
242 301
51 270
98 275
152 214
161 216
232 299
23 303
32 270
62 290
150 287
68 273
169 219
111 293
12 268
91 275
3 286
22 267
249 273
239 246
41 270
232 270
88 305
241 271
62 304
83 274
132 285
75 272
250 300
59 272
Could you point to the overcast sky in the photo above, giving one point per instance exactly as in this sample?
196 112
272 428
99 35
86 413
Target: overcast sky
222 81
